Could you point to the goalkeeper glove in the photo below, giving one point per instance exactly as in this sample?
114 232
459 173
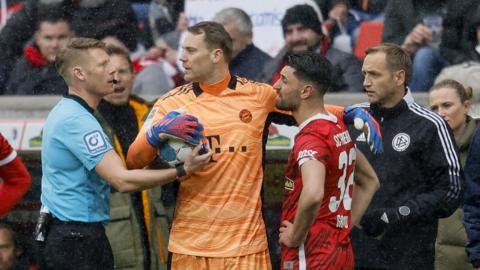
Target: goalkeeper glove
174 125
365 122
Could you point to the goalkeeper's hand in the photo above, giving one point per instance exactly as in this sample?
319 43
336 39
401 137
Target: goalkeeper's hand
365 122
175 125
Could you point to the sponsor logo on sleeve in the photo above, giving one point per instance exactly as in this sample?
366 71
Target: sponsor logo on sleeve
307 153
289 184
95 142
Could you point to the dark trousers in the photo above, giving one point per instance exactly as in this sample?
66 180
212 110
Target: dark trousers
76 246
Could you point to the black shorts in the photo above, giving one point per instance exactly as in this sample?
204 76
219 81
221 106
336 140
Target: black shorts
75 245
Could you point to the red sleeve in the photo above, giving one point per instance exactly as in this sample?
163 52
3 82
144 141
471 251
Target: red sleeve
312 147
16 179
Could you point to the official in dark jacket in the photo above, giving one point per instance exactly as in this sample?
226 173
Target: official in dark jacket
420 173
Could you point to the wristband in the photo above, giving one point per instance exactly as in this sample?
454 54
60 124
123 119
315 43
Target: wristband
180 170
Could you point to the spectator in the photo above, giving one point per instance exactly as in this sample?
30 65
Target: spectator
451 101
315 165
11 251
121 115
406 24
16 179
157 70
165 16
78 160
461 33
349 14
88 18
34 73
420 174
247 59
302 31
471 217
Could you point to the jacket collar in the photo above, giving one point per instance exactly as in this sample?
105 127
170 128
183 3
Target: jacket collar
464 141
387 113
80 101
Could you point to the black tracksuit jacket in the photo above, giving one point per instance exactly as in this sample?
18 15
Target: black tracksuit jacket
419 169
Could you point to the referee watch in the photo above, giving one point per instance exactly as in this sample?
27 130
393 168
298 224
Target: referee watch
180 170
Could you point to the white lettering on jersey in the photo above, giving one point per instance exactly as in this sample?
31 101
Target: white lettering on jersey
342 221
342 138
306 153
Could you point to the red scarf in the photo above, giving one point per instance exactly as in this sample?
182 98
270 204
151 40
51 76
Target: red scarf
34 56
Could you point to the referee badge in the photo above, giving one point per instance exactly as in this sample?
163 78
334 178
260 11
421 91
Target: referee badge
95 142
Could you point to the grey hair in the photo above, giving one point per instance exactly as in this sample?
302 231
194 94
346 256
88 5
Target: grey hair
240 17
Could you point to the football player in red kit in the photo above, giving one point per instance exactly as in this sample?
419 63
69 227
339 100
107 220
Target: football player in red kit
323 198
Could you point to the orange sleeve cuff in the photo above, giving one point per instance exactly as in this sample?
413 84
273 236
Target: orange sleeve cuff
140 153
335 110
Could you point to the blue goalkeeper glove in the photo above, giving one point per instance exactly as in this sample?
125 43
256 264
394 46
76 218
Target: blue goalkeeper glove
174 125
365 122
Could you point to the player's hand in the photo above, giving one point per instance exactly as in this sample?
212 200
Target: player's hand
199 157
365 122
375 222
287 237
185 127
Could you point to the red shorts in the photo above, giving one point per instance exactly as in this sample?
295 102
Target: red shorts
322 253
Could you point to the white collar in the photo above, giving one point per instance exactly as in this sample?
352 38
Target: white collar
408 97
329 117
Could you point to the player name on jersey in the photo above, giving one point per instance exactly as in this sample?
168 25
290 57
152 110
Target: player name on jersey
342 138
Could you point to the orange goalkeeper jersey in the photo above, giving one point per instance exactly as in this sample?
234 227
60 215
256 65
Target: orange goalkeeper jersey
218 211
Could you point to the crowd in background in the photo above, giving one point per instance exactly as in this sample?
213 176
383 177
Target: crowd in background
442 37
438 34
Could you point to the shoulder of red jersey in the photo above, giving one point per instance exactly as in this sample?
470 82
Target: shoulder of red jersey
5 150
322 127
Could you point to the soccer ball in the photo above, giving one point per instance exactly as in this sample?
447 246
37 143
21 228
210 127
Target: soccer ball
175 151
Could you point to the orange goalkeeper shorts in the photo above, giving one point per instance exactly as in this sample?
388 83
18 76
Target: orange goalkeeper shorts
257 261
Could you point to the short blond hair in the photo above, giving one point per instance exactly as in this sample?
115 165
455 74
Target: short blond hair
74 51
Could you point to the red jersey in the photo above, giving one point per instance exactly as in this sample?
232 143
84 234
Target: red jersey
323 138
16 180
